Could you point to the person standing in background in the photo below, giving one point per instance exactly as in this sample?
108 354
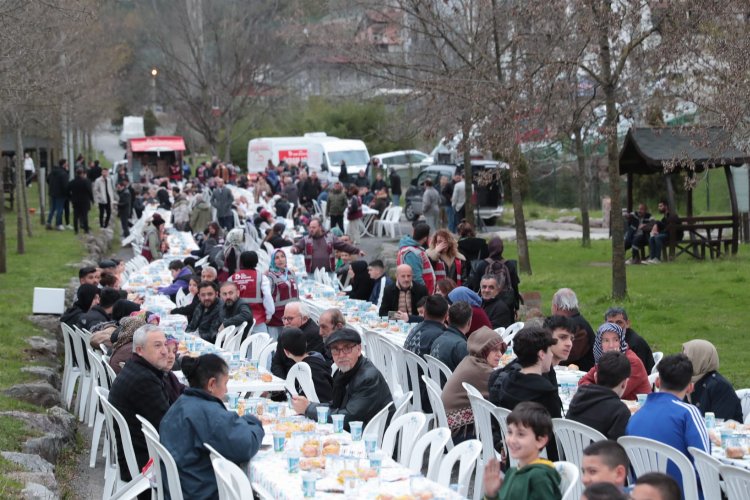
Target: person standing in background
81 196
28 168
395 181
104 196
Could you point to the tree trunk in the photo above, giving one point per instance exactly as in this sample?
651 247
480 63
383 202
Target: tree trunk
23 202
76 150
583 189
3 242
21 243
468 174
522 242
228 141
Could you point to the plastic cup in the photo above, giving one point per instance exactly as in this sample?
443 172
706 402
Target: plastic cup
338 423
355 429
376 460
292 460
273 409
278 441
322 414
641 399
371 443
308 485
232 399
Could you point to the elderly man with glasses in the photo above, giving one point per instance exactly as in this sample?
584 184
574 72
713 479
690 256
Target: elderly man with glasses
296 315
359 389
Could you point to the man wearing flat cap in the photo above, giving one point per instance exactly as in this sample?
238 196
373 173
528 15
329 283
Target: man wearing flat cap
359 389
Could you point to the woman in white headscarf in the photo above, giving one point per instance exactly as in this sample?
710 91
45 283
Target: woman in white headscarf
711 391
233 246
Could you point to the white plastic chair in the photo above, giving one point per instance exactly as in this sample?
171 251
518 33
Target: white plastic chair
658 355
404 431
376 425
436 440
572 438
71 372
652 380
80 340
483 414
512 330
301 373
736 482
471 390
378 226
466 455
744 395
709 472
391 223
161 455
648 455
501 331
222 336
438 368
402 404
264 358
415 368
253 344
182 299
100 379
569 480
436 401
233 484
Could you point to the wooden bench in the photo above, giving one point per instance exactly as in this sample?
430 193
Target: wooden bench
703 235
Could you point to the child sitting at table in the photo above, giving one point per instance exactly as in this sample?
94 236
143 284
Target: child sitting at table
605 462
529 430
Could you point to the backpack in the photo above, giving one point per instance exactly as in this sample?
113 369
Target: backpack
216 256
500 269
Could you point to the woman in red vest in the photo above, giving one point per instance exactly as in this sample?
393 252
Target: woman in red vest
446 260
283 289
255 289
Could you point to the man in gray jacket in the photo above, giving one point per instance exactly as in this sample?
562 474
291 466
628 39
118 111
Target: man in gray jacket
458 200
222 200
431 205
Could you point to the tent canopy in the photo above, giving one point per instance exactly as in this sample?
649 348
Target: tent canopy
157 144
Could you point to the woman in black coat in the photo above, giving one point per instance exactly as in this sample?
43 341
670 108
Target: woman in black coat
361 282
711 392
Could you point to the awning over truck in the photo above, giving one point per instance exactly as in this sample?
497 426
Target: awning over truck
157 144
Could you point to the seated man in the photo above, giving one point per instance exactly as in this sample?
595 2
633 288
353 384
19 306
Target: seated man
209 273
403 296
234 311
376 270
637 344
656 486
296 315
637 228
508 388
495 307
101 311
423 335
659 235
599 405
206 317
451 347
605 462
87 296
294 344
89 275
681 424
565 303
328 322
139 390
359 389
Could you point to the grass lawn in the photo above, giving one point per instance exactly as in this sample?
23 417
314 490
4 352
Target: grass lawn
668 304
43 265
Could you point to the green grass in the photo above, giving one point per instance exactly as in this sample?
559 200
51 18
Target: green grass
43 265
668 304
533 211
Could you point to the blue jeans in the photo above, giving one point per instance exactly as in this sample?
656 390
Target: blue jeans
396 199
58 204
656 243
450 212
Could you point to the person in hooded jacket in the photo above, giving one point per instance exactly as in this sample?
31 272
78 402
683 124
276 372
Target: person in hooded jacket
451 347
360 280
711 391
87 296
479 268
199 416
200 212
479 318
294 343
180 279
486 347
100 311
599 405
508 388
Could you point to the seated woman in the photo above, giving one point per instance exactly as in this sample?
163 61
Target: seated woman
190 301
711 391
444 287
610 337
360 280
472 247
172 385
199 416
486 347
283 290
479 318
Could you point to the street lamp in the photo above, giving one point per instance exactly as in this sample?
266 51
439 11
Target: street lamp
154 72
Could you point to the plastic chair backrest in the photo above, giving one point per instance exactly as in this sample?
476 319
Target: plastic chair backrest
112 416
436 440
179 299
415 368
434 393
569 480
471 390
376 425
708 469
233 484
744 395
402 403
253 344
301 373
403 431
501 416
439 371
111 374
222 336
736 482
572 438
501 330
466 455
648 455
264 358
482 410
512 329
161 456
658 355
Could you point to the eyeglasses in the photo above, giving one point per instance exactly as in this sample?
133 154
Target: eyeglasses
288 319
343 350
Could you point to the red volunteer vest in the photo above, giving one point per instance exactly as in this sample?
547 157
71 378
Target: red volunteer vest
248 283
428 274
309 252
283 292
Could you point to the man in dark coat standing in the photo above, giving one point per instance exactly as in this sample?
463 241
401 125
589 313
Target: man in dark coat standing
124 206
57 180
81 196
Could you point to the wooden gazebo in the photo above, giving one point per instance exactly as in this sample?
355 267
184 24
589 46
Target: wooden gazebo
669 151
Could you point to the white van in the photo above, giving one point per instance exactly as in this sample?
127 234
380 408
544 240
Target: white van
132 128
323 153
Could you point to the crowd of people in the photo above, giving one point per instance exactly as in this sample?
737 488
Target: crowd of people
455 290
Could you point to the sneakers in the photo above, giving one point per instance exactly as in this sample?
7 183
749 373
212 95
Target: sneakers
632 261
652 261
48 226
61 228
69 227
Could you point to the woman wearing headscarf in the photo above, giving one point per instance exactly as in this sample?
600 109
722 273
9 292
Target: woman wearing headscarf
711 391
360 280
479 318
283 290
486 347
173 386
610 337
232 249
155 244
355 215
446 260
200 212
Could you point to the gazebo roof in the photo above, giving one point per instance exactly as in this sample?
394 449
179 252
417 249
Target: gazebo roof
648 150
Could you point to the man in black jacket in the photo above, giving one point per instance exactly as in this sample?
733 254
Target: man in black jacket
100 312
359 389
294 344
206 318
234 311
403 296
599 405
139 390
57 180
421 337
451 347
497 310
565 303
124 206
395 181
637 344
81 195
297 316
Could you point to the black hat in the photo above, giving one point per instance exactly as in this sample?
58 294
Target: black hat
107 264
344 334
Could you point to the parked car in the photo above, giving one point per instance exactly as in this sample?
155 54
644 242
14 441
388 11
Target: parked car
407 164
489 198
